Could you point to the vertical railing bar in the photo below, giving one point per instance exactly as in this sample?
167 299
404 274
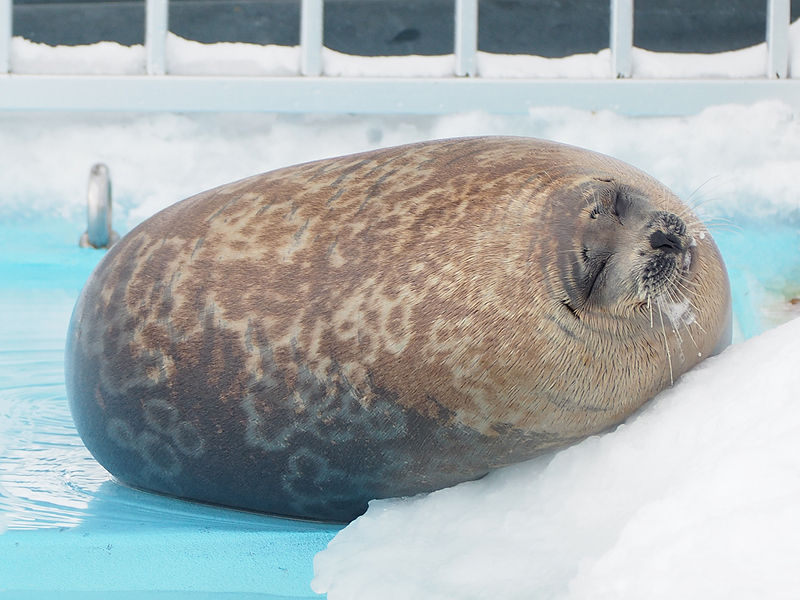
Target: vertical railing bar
311 29
621 34
778 20
155 36
466 42
6 31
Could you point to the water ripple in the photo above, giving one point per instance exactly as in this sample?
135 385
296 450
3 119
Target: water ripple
47 477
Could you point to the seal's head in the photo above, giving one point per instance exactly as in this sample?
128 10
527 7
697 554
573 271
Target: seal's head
637 264
632 255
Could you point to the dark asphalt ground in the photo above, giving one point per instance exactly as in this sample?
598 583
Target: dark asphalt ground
395 27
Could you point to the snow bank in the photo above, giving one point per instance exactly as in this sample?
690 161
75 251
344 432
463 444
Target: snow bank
727 159
694 497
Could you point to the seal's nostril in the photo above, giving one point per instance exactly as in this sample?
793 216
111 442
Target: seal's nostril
668 242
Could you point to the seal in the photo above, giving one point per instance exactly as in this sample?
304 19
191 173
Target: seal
388 323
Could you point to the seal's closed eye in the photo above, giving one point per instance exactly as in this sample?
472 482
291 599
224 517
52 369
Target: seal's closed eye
598 266
622 204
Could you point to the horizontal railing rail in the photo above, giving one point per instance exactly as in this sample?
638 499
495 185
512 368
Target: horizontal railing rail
311 90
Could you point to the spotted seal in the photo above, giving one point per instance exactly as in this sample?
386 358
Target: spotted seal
388 323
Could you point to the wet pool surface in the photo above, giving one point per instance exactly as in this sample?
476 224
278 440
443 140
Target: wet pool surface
71 529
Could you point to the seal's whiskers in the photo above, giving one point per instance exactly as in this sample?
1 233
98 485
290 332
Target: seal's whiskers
691 199
686 288
722 224
677 298
680 294
692 306
672 318
691 337
666 343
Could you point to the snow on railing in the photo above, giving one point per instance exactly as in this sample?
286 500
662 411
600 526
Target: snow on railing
635 81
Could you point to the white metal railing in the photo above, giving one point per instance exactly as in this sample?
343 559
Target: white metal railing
311 25
778 17
155 36
621 39
466 42
312 91
5 35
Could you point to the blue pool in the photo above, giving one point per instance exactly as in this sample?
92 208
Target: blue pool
69 528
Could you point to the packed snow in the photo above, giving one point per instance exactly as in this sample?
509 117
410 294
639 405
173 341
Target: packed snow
726 160
696 496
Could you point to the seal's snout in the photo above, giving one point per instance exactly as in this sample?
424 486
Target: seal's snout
667 233
668 222
671 254
666 242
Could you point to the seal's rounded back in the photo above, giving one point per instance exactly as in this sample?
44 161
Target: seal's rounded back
388 323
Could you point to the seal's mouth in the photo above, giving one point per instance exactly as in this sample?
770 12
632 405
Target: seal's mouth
594 277
590 266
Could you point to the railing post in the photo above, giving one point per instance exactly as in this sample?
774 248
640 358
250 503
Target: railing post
621 42
311 26
778 19
5 36
466 42
155 36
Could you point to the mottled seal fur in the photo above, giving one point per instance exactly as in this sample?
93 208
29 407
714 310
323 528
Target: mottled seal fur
388 323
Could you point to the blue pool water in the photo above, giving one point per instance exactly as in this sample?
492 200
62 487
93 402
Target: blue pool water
71 529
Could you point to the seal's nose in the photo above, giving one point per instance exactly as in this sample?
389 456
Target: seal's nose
666 242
